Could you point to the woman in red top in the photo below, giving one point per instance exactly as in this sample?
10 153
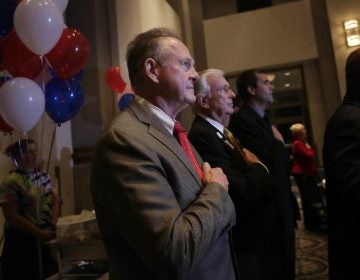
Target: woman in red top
304 170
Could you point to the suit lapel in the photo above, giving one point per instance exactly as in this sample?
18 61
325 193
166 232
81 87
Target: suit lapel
217 134
230 149
159 132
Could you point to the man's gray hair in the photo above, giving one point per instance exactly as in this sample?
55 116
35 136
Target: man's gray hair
202 85
146 45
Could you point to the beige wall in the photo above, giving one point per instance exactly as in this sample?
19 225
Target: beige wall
340 11
278 35
136 16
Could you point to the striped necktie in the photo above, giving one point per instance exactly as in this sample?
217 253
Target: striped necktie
233 141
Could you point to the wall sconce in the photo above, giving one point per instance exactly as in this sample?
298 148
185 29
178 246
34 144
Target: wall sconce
352 32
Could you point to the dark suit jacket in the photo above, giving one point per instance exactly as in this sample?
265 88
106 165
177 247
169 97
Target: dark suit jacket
156 219
256 218
341 153
248 185
256 135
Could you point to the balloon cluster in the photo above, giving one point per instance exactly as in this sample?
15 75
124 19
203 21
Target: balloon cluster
118 85
34 39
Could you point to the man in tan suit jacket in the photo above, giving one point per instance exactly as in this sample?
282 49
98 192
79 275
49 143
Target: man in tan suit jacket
157 218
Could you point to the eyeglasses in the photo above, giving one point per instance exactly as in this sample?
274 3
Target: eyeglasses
224 89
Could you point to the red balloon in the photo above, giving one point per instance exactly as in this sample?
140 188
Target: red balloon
70 54
18 60
114 79
2 66
4 126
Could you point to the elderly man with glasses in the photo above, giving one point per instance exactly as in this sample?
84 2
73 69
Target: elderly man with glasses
256 220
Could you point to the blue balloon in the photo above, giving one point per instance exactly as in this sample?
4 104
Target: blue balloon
63 99
125 100
7 9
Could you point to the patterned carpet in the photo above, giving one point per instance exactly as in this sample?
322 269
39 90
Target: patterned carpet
311 255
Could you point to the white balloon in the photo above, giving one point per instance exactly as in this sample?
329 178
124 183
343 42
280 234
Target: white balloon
61 4
39 24
22 103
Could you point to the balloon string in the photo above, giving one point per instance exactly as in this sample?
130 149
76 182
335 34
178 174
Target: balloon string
47 62
43 73
6 75
51 147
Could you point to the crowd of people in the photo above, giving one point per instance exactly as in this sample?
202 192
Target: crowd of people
215 204
220 209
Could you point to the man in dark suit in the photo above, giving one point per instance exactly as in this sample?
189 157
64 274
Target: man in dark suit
256 220
256 133
157 217
341 154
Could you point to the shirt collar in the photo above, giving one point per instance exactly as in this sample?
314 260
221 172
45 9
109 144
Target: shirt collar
165 119
257 110
213 122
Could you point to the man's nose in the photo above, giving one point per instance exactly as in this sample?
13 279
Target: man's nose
231 93
194 75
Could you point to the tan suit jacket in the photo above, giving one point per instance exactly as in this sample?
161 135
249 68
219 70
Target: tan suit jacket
156 220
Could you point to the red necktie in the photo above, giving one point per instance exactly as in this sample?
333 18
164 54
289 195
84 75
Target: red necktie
180 134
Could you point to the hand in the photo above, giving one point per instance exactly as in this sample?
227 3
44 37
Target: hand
214 175
249 157
277 134
47 235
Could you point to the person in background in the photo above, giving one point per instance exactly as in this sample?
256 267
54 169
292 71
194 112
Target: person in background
255 132
256 219
30 206
237 104
162 213
304 170
341 156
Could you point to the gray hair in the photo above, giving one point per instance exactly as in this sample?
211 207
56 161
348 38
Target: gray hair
145 45
202 87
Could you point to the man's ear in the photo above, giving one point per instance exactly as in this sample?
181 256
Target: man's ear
251 90
203 101
152 69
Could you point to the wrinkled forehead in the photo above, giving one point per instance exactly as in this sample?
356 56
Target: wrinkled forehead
262 77
217 81
175 47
